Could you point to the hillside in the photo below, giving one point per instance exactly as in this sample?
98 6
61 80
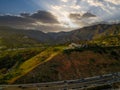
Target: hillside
76 64
20 64
30 58
111 40
10 60
35 36
16 38
86 33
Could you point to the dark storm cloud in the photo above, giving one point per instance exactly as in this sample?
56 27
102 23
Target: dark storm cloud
45 17
75 16
28 20
85 19
87 15
41 16
25 14
14 20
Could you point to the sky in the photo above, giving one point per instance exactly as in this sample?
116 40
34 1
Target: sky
57 15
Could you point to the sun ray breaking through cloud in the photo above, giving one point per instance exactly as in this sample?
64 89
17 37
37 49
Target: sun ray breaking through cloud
70 14
62 8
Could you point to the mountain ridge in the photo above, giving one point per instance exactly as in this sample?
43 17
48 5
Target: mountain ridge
52 38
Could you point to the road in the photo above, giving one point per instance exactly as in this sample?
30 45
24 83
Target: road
77 84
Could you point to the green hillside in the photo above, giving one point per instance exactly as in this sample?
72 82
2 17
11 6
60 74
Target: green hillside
27 64
111 40
18 38
13 38
106 30
10 60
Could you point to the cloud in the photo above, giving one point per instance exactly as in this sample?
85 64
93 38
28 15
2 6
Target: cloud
41 16
44 17
64 0
87 15
14 20
66 14
85 19
41 20
104 10
116 2
75 16
25 14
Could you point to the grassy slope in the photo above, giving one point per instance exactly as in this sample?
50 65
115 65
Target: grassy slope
77 64
13 38
111 40
32 63
10 60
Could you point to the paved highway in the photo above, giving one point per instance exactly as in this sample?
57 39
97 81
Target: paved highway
77 84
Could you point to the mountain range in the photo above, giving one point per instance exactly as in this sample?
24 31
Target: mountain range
53 38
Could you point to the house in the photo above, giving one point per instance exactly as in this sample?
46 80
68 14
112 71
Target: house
74 45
